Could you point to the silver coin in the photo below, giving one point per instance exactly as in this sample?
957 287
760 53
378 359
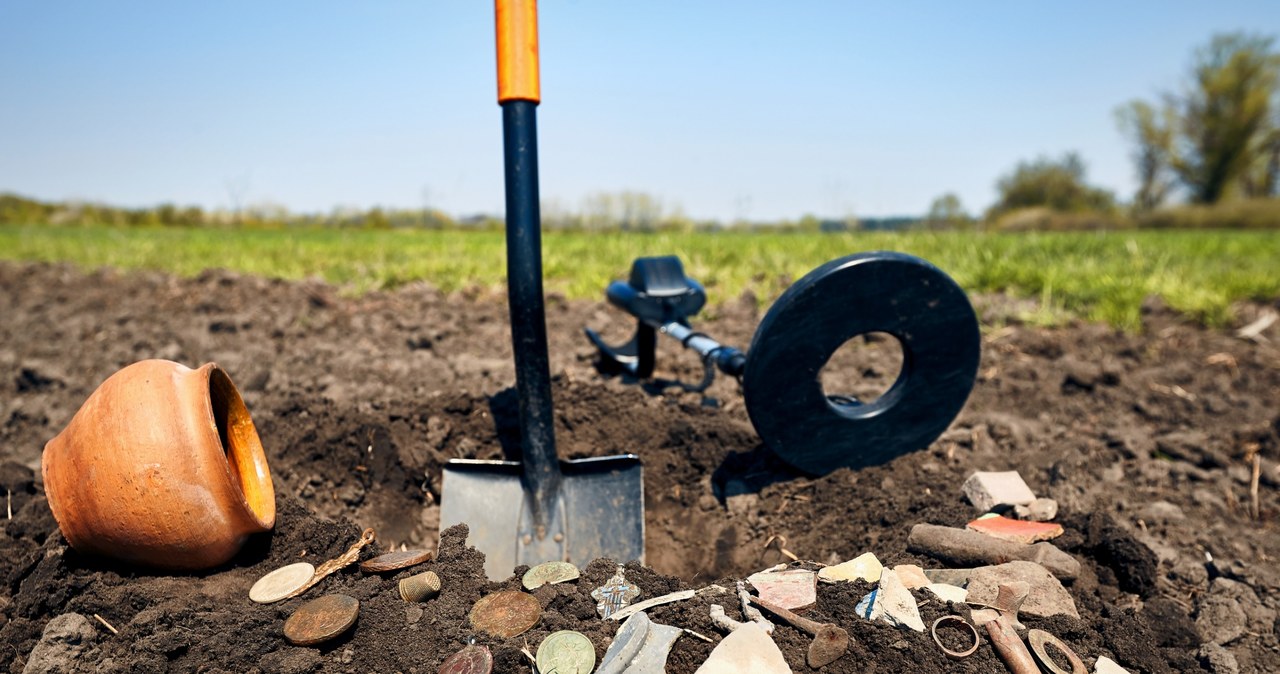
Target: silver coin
282 582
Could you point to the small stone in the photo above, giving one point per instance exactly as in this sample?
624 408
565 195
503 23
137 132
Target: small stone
1018 531
1106 665
951 593
747 650
863 567
63 640
986 490
793 589
412 614
348 655
1218 659
1220 619
911 576
1045 597
1161 512
895 604
1039 510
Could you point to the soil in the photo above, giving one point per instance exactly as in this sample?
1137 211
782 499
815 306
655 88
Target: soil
1146 441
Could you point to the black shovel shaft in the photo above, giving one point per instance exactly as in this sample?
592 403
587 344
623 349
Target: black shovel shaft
528 320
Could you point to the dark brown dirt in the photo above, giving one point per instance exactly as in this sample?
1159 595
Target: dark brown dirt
1146 441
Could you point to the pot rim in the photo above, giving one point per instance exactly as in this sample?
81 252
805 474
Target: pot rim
245 463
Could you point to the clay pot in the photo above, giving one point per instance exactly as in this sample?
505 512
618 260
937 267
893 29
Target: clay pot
161 466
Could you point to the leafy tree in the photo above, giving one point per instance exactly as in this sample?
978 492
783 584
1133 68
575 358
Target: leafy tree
1221 135
1151 130
1058 185
946 211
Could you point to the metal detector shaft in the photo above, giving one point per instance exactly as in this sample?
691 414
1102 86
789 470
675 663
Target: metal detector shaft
730 360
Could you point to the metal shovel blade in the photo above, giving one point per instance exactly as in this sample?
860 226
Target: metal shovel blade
599 512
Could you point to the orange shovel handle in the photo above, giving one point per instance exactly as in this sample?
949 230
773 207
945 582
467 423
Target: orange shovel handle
517 28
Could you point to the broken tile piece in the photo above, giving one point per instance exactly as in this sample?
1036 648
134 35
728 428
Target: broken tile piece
1106 665
863 567
911 575
1045 598
986 490
895 604
951 593
747 650
1018 531
793 589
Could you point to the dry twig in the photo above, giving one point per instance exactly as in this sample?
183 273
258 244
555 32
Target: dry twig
106 624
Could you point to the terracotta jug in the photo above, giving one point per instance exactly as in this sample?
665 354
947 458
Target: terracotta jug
161 466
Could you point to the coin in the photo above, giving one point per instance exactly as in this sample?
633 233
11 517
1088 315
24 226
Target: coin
566 652
321 619
549 573
471 660
505 614
281 583
394 561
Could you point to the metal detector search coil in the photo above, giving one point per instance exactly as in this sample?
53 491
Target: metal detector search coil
882 291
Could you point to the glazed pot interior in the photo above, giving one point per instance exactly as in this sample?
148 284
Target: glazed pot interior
245 458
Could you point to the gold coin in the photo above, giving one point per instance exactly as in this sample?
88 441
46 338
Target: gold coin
321 619
505 614
281 583
566 652
394 561
549 573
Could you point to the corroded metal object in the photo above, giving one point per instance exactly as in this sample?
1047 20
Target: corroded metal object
472 659
394 561
337 563
321 619
419 587
1040 640
614 594
505 614
829 642
967 626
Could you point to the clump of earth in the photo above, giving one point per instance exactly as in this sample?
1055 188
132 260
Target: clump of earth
1148 442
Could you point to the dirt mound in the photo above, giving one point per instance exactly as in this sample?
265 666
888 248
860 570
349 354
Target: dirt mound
1146 441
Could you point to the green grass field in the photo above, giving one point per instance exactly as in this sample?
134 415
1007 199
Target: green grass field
1098 276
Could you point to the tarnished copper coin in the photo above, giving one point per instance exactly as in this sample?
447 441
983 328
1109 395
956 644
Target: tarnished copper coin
471 660
394 561
505 614
321 619
549 573
281 583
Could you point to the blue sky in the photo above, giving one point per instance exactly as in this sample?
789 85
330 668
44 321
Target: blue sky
756 110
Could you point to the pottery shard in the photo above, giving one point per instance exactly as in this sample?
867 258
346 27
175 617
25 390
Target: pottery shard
986 490
1106 665
911 576
1046 596
863 567
895 604
747 650
949 593
1018 531
793 589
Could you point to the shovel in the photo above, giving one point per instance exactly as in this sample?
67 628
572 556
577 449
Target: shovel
539 509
